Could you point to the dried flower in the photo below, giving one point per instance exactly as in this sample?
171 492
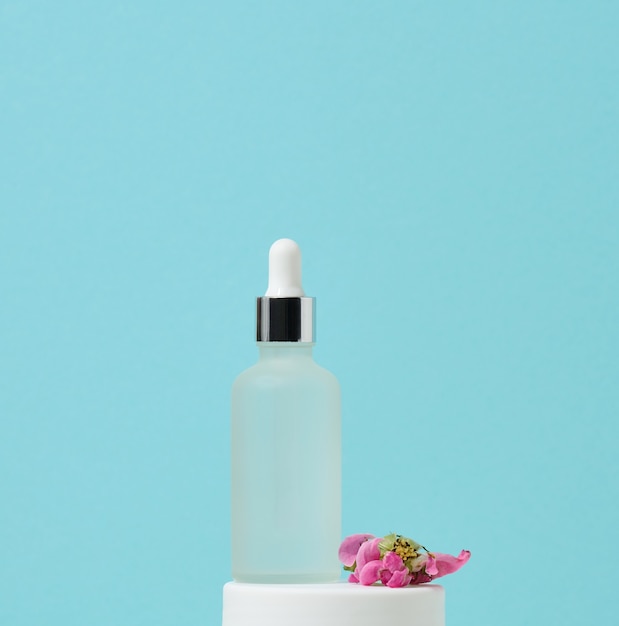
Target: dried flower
395 560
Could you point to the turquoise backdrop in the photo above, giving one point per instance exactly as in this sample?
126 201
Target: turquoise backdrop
450 170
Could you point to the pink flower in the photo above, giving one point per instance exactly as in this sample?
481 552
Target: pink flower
395 574
395 561
390 570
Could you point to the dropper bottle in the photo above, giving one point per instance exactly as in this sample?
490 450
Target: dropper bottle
285 436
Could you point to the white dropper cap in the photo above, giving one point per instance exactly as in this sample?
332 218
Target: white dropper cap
285 270
285 313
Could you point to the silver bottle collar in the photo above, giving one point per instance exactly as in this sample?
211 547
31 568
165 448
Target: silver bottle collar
286 319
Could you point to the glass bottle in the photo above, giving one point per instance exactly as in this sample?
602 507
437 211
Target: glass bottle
286 444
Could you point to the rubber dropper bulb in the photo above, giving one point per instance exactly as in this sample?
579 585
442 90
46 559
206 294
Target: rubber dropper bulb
285 270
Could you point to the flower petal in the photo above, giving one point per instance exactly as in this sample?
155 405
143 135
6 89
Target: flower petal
393 562
431 568
350 546
368 551
370 572
446 563
385 576
399 578
420 577
353 579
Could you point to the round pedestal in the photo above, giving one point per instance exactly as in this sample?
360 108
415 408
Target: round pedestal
332 604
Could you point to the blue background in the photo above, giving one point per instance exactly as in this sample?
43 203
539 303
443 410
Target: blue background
450 171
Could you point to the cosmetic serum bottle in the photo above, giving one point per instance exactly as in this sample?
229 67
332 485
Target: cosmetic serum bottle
286 442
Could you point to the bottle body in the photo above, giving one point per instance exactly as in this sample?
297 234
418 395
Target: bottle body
286 469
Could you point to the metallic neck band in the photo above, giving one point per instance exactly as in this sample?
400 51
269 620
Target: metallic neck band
286 319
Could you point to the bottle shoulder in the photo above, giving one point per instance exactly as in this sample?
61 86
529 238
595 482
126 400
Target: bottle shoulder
328 375
274 372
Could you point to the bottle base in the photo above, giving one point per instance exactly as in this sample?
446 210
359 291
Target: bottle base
286 578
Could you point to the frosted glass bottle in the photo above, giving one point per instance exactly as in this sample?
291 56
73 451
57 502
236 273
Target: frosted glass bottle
285 443
286 493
